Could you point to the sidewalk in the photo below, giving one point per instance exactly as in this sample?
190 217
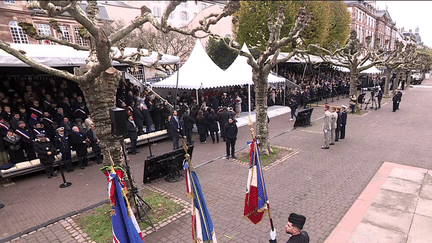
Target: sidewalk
395 207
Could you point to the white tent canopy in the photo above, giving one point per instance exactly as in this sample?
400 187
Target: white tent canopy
240 72
371 70
64 56
198 72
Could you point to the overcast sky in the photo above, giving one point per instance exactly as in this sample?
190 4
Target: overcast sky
410 14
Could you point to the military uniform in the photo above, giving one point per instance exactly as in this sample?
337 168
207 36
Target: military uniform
326 129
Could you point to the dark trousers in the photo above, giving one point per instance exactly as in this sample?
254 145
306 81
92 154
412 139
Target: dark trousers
175 141
230 144
352 107
188 134
337 134
133 145
203 137
214 134
82 158
293 113
66 159
395 106
379 103
342 131
49 170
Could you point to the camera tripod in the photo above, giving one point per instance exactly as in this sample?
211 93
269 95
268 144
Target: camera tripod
134 193
372 101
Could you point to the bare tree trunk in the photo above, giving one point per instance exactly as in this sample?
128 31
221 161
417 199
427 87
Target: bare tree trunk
262 133
101 93
396 80
409 78
353 83
387 82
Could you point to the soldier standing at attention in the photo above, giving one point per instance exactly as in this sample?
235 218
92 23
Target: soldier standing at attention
326 126
333 125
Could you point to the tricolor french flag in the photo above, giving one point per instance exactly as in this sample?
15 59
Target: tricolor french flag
125 228
256 201
202 225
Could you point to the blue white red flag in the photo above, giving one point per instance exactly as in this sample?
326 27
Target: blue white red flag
202 225
256 201
125 228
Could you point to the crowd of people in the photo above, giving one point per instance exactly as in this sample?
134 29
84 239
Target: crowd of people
39 111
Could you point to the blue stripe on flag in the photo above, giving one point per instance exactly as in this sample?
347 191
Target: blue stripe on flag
200 204
122 225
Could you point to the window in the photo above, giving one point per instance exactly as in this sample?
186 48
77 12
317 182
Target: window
18 35
65 33
44 29
195 14
156 12
78 38
184 16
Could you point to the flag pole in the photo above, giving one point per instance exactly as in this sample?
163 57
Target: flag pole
185 147
265 193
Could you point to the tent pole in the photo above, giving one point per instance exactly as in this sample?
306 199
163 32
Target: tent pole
249 100
175 97
304 71
197 97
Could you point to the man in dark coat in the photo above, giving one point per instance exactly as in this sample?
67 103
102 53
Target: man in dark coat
343 121
94 143
79 144
27 138
230 137
223 120
46 151
293 106
175 129
61 142
188 122
132 134
293 227
338 122
138 117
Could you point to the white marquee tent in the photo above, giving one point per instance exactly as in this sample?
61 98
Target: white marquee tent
240 72
64 56
198 72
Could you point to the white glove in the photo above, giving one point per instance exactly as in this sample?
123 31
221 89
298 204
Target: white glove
273 234
325 131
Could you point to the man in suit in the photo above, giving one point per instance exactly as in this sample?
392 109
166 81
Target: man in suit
94 143
132 134
175 129
79 144
343 121
223 118
326 126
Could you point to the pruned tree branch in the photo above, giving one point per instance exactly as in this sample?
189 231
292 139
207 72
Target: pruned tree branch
21 56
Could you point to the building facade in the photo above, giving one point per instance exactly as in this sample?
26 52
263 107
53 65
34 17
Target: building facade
14 12
366 20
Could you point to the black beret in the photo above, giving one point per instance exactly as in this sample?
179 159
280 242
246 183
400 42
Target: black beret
297 220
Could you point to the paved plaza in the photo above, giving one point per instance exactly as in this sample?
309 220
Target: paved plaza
344 191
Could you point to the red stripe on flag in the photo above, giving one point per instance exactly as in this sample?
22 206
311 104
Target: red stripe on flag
251 206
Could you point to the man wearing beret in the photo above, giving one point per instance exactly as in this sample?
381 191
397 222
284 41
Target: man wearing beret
293 227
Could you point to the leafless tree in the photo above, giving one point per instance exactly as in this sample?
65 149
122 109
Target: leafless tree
98 79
